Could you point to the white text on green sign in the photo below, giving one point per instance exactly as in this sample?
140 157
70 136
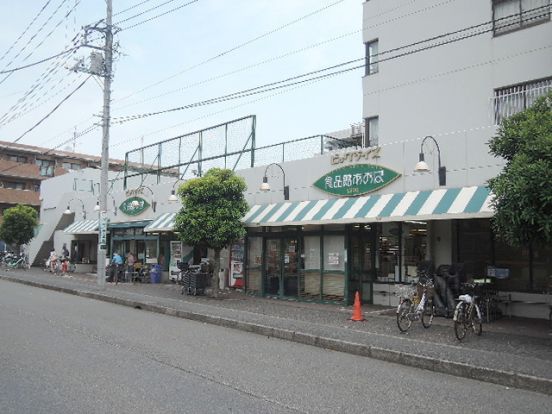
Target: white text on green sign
356 179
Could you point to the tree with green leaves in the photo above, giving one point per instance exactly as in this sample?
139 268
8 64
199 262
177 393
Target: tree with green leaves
18 225
212 209
522 192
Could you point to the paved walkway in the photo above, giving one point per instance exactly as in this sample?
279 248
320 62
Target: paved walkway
512 352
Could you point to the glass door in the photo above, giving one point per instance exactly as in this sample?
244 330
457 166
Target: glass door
290 274
273 267
281 276
362 263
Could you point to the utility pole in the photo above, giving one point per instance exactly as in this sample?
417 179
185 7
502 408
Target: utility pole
108 62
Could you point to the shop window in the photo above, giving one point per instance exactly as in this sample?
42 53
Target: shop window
310 277
333 283
414 246
474 246
387 258
510 15
254 264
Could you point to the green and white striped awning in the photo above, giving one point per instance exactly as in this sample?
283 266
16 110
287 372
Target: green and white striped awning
165 222
83 227
441 204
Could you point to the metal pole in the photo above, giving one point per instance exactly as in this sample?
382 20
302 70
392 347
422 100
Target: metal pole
102 245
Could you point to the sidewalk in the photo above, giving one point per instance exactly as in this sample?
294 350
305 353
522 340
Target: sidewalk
511 352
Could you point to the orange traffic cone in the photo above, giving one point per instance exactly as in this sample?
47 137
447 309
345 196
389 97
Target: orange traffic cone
357 311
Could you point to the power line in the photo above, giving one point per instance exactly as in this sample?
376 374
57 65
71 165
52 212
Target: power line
32 38
159 15
294 79
143 12
39 61
52 111
37 85
234 48
131 7
311 46
25 31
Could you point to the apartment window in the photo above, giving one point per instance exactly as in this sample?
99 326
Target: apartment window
46 167
513 99
509 15
371 126
14 185
71 166
17 158
371 57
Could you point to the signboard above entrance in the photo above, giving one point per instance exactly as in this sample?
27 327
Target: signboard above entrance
356 179
133 206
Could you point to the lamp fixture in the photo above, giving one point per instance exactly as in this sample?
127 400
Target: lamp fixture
266 187
173 197
97 206
421 165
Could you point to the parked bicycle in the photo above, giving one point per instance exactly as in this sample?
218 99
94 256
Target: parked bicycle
12 261
467 314
417 304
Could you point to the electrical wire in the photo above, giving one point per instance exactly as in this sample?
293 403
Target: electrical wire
29 41
25 31
144 12
287 54
37 85
160 15
39 61
52 111
291 81
131 7
234 48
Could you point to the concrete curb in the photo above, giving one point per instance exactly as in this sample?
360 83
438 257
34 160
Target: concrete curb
505 378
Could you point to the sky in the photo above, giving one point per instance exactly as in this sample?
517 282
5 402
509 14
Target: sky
173 61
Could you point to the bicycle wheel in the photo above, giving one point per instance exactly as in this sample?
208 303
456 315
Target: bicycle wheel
476 322
460 316
428 314
403 321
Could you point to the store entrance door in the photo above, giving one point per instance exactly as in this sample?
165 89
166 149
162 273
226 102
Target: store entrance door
281 275
361 263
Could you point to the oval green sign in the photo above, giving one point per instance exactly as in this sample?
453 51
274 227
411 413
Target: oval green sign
356 179
133 206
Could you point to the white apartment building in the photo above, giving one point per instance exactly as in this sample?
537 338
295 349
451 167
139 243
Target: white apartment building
452 70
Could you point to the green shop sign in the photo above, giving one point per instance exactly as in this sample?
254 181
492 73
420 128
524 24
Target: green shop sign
133 206
356 179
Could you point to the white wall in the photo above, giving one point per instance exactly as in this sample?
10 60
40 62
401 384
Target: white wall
446 91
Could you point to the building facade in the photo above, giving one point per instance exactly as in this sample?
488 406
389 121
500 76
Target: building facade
23 168
439 78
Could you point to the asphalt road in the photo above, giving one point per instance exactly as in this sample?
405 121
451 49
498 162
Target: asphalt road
66 354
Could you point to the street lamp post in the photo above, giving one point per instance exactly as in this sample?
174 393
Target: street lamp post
422 166
266 187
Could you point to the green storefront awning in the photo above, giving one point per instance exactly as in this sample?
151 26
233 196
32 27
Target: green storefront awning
441 204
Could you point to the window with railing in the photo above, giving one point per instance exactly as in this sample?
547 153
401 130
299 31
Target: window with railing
513 99
510 15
